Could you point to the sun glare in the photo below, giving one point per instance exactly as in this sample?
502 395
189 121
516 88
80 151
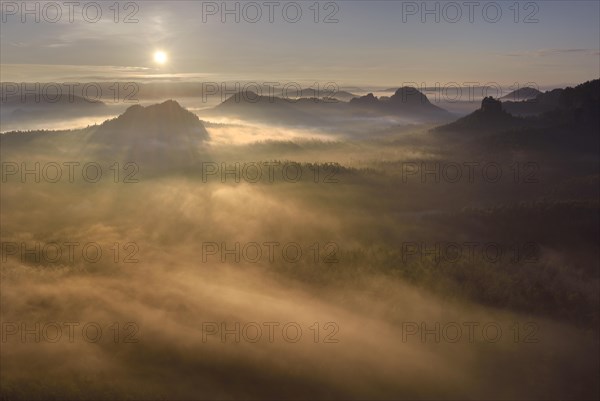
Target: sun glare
160 57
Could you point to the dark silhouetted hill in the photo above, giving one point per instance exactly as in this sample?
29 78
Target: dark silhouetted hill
159 136
344 96
272 109
570 130
489 118
367 100
557 99
164 121
405 102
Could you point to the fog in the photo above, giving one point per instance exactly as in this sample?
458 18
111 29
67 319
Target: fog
170 293
175 279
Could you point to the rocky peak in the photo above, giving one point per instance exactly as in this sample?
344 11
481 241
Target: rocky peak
489 105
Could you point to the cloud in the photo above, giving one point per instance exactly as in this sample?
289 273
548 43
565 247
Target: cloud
554 52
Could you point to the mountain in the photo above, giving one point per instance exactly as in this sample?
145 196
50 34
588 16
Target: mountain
163 121
577 107
525 93
43 101
490 117
301 111
165 135
542 103
411 98
367 100
569 130
33 106
405 102
160 138
556 99
320 93
36 111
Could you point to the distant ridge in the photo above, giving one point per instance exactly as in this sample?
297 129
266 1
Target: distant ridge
41 101
585 93
575 111
525 93
301 111
490 117
406 101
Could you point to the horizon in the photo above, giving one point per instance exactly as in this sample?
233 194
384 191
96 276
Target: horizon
512 44
459 101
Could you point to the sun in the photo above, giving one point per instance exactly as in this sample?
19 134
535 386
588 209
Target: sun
160 57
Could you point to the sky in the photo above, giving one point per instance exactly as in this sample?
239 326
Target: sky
378 43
